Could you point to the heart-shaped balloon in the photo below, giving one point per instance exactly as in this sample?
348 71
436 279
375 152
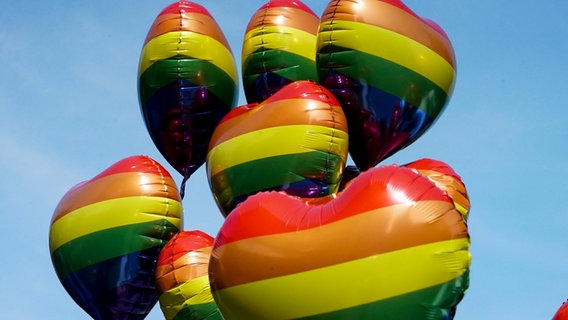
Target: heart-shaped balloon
390 246
183 280
106 234
392 71
295 141
186 83
279 48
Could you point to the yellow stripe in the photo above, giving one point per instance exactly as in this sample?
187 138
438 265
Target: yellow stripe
113 213
193 45
461 209
282 38
193 292
283 140
350 284
391 46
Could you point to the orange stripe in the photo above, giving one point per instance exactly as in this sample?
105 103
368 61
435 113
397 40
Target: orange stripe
390 17
113 186
192 265
455 188
366 234
278 113
284 16
194 22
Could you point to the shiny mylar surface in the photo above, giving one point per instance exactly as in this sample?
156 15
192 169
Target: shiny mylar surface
446 179
279 47
392 71
295 141
390 246
106 233
187 81
182 278
562 313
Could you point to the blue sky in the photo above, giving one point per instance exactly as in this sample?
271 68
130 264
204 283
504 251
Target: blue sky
69 109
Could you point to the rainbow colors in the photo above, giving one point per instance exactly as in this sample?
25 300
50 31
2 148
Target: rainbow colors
446 179
295 141
187 82
390 246
106 234
279 47
391 70
182 278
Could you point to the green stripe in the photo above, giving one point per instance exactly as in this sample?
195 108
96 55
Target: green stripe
430 303
385 75
110 243
202 311
197 71
282 63
274 172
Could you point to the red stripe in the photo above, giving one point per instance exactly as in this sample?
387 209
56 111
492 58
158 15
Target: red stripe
399 4
280 213
184 7
182 243
142 164
434 165
240 110
288 4
303 89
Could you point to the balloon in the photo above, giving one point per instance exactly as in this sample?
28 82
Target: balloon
390 246
349 173
279 48
392 71
562 313
446 179
106 234
187 83
295 141
183 280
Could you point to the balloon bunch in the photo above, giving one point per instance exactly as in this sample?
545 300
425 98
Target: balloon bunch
305 235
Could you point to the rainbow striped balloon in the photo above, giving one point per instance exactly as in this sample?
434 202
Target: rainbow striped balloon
391 246
392 71
106 234
187 82
279 48
295 141
183 280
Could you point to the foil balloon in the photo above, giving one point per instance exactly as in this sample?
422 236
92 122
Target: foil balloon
182 278
446 179
106 234
562 313
295 141
186 83
279 48
392 71
390 246
349 173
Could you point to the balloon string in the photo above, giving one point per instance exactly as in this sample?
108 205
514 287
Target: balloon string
182 187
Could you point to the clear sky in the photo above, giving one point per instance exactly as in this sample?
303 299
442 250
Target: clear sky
69 109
